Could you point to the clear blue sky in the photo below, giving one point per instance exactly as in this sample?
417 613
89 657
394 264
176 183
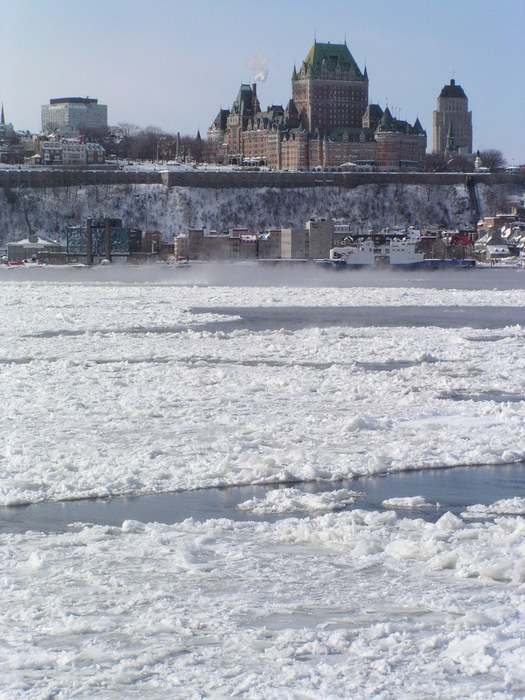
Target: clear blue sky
174 63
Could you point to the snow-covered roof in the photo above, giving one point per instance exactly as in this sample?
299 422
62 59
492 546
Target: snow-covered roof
498 249
39 242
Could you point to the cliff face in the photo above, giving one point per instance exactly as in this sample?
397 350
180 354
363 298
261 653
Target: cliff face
173 210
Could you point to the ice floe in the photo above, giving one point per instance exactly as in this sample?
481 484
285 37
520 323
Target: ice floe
407 502
506 506
291 500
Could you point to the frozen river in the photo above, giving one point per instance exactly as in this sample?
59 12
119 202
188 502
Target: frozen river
231 481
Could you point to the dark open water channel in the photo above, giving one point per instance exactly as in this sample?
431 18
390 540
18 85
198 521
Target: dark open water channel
453 489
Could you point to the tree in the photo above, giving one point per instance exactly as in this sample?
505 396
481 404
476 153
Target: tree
144 145
449 163
127 130
492 159
436 163
123 137
460 164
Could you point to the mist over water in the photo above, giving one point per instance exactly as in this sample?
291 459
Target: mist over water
273 274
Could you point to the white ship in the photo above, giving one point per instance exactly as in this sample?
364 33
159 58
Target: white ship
367 253
393 253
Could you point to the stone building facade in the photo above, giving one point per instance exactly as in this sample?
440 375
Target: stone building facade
327 122
452 122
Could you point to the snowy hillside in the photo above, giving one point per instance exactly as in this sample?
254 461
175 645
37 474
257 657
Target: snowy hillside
47 211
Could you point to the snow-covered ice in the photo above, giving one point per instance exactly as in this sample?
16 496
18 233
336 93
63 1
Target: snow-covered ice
115 388
292 500
506 506
353 604
129 386
406 502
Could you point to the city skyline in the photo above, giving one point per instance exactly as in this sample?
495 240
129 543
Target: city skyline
171 64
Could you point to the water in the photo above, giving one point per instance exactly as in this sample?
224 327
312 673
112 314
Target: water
261 318
451 489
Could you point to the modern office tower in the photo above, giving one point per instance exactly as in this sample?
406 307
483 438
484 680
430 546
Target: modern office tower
74 112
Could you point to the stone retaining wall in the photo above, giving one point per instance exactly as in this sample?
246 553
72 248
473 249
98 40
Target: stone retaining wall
27 177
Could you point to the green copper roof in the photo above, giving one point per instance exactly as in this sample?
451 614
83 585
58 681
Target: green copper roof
329 56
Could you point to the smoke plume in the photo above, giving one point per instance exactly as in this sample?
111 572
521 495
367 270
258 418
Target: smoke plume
258 65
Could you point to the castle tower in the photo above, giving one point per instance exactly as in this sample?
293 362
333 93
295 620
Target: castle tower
452 107
329 90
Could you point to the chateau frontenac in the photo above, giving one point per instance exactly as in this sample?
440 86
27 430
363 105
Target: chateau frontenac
328 122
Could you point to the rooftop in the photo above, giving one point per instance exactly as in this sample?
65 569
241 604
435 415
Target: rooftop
74 100
452 90
330 57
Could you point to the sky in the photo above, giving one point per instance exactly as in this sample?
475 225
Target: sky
173 64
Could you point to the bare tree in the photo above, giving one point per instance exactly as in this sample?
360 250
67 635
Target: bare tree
144 145
492 159
128 130
460 164
435 163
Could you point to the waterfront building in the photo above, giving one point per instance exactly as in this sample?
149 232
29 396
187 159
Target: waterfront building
309 243
31 247
74 112
104 238
452 121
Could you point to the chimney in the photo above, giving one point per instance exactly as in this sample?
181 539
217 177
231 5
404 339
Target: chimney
107 238
89 244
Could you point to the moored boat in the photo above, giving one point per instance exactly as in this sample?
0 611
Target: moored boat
391 253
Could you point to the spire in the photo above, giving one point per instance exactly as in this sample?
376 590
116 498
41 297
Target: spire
294 74
418 129
387 121
450 141
2 118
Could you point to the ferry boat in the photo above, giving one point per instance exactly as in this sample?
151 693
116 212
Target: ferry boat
391 253
367 253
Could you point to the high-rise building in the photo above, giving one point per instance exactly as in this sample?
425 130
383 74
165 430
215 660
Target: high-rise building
75 113
452 121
